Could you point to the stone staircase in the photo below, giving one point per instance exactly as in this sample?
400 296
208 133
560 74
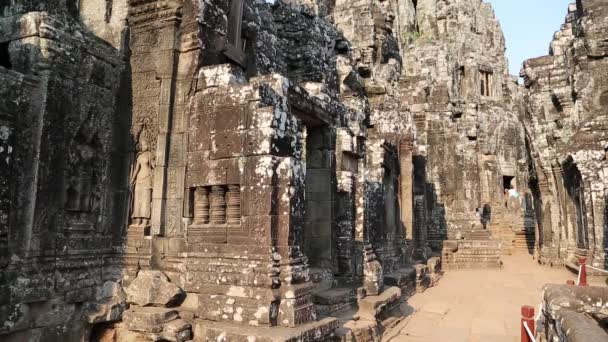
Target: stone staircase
515 231
467 254
523 241
477 234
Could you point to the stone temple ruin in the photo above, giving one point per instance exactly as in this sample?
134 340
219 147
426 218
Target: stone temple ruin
282 170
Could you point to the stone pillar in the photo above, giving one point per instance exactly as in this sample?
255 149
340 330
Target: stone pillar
233 199
373 274
218 205
406 189
368 267
153 105
201 206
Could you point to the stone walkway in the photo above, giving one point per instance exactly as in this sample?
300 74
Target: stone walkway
477 305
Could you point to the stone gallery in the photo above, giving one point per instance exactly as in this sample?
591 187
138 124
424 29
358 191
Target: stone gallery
282 170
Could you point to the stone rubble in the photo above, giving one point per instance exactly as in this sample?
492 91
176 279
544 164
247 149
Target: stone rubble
152 288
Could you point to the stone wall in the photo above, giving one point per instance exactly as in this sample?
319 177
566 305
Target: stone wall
466 112
57 110
566 102
226 169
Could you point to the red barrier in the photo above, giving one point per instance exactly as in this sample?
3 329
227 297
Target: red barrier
527 316
583 272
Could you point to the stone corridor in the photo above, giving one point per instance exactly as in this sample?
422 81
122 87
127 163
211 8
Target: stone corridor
477 305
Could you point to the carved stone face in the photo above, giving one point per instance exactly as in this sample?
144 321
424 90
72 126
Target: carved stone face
143 145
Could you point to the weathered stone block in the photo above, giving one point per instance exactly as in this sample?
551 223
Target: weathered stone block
148 319
228 119
259 142
259 170
105 312
259 200
375 306
79 295
153 288
176 326
226 144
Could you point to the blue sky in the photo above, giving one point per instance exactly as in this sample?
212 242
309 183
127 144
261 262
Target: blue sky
529 26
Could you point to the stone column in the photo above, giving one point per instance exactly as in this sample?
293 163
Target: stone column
406 189
369 267
233 199
153 103
218 205
201 206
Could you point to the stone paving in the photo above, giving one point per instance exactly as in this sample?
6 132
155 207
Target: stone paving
477 305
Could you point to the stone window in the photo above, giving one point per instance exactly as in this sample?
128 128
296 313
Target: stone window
217 205
235 44
486 81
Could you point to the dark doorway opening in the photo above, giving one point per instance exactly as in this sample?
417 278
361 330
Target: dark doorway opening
507 182
573 181
319 244
5 57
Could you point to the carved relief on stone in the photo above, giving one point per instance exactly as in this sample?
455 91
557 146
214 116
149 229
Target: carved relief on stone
141 186
81 192
146 128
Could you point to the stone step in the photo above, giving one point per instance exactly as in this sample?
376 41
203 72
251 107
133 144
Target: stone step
478 252
323 278
316 331
477 235
335 296
331 310
380 306
523 240
474 265
400 278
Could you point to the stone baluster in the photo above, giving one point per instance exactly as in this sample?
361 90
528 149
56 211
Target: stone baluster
218 205
233 212
201 205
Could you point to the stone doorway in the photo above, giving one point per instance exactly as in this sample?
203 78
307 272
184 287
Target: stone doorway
507 182
574 185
